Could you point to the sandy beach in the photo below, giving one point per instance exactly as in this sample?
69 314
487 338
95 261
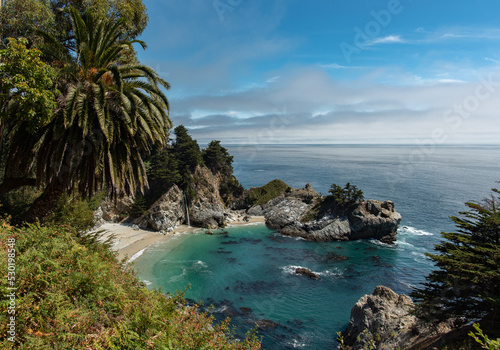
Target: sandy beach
129 242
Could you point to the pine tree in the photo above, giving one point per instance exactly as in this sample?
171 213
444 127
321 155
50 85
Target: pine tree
467 281
186 150
218 159
163 171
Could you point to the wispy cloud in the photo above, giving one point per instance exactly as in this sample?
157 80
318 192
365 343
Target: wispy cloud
338 66
390 39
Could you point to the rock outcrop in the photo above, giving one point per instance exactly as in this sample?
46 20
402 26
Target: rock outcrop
207 209
166 213
302 213
382 321
113 210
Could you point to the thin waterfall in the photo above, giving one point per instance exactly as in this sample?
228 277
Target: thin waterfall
187 210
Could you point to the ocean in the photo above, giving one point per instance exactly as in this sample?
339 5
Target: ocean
246 273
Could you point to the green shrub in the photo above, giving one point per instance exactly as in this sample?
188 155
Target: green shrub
347 196
72 212
72 293
484 340
139 206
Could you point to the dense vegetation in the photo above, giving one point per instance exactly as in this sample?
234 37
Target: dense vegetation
176 165
73 293
466 284
345 197
339 200
110 111
32 18
82 119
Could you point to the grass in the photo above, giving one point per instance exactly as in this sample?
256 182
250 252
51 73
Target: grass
73 293
262 195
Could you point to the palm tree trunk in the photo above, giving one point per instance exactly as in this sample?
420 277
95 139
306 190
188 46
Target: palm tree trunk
44 204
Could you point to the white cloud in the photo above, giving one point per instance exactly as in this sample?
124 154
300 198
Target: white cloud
390 39
307 105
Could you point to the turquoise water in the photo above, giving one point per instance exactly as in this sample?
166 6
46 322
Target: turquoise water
247 272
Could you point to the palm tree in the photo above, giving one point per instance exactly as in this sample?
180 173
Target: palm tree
110 113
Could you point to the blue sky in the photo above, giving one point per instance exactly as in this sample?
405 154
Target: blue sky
329 71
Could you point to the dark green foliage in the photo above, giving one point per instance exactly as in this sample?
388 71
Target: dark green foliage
466 282
139 206
163 172
73 212
27 18
27 88
217 159
186 150
230 189
188 155
110 114
347 196
16 202
262 195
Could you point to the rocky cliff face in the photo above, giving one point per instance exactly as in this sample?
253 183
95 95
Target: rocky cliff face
207 209
369 219
166 213
114 210
382 321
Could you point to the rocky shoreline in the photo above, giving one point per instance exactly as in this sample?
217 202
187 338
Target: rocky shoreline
295 212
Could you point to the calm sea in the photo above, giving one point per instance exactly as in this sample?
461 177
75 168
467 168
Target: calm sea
246 274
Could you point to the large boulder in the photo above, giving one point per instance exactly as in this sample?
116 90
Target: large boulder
383 321
382 318
166 213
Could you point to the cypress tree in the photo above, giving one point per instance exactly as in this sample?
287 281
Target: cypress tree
466 282
218 159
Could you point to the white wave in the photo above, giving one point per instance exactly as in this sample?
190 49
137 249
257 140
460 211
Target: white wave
136 255
408 230
377 242
259 170
421 258
330 273
402 242
294 343
147 283
290 269
200 264
219 309
196 265
179 277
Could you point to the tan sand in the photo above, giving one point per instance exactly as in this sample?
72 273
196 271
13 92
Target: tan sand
129 241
